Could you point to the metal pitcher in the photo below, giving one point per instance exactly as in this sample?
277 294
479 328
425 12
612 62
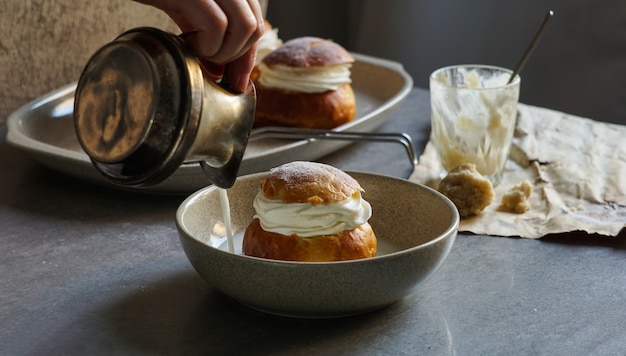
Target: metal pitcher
143 107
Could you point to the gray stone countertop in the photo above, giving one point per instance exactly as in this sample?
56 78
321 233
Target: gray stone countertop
90 270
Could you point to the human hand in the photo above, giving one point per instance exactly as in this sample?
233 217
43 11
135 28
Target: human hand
222 33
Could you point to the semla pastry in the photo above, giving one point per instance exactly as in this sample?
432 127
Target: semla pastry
305 83
310 212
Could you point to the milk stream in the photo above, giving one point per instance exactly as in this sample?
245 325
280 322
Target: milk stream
225 205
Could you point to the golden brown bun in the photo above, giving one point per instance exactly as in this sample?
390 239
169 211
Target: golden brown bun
314 183
327 110
309 182
347 245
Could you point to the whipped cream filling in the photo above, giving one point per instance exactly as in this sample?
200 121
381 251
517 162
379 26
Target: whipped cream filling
305 79
267 43
308 220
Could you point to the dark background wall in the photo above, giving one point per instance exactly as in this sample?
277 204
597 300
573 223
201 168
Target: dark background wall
579 67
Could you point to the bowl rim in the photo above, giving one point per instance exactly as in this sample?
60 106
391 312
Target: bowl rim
447 233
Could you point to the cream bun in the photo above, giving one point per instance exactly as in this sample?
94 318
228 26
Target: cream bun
305 83
310 212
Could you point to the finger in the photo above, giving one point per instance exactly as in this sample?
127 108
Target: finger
245 27
238 71
211 25
204 18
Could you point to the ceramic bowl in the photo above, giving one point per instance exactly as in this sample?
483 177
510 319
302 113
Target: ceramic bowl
415 226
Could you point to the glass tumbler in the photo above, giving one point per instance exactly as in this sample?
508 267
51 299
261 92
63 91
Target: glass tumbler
474 110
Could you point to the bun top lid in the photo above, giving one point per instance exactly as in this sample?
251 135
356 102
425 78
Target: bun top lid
309 182
308 52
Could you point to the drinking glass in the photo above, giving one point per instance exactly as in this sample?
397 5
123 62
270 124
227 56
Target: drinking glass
474 110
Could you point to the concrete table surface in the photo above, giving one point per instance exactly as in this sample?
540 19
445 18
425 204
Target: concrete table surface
88 270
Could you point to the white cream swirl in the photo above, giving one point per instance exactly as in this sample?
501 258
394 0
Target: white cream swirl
305 79
308 220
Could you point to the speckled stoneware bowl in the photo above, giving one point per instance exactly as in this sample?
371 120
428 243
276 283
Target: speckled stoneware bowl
415 226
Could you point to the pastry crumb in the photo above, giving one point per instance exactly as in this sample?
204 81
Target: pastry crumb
470 192
515 199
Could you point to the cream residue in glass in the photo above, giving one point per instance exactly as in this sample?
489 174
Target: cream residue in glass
473 122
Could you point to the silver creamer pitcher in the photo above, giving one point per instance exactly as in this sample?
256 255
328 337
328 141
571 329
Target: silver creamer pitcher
143 107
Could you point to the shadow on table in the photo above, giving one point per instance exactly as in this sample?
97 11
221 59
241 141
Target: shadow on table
44 191
183 315
582 239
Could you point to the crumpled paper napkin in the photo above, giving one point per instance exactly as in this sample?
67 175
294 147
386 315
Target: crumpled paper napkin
577 167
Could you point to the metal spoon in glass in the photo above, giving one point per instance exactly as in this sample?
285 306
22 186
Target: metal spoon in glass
532 46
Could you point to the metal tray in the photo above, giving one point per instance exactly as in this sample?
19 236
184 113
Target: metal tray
44 128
